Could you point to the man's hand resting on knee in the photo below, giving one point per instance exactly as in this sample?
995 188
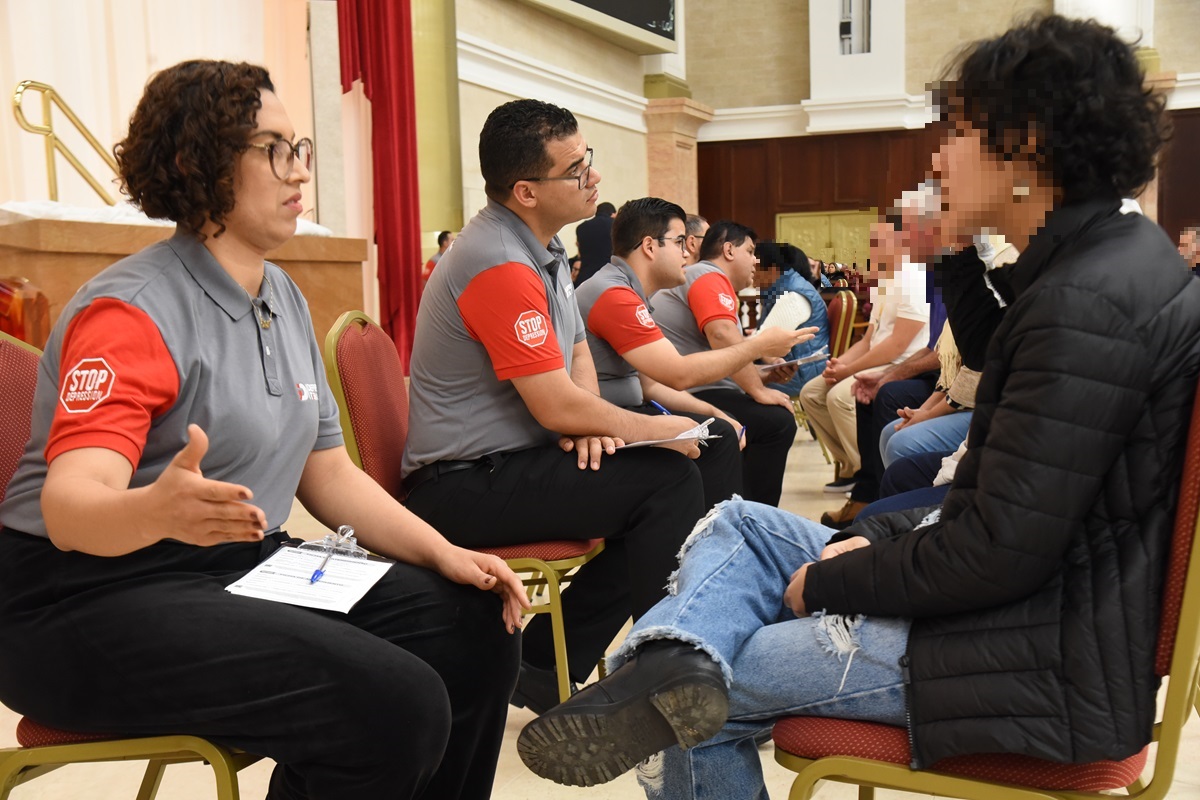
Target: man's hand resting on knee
793 598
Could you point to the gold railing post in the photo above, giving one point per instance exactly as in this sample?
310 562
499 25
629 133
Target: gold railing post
51 167
51 98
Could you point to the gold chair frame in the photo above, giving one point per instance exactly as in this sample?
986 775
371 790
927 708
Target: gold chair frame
537 574
21 764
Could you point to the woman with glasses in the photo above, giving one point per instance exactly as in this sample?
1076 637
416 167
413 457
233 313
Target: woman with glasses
181 405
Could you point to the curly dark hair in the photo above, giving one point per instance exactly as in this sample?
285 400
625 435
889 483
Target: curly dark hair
1077 89
512 144
192 122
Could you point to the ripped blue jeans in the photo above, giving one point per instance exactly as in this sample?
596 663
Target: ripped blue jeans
727 599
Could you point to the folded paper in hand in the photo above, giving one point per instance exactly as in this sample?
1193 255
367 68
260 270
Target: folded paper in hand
699 433
790 311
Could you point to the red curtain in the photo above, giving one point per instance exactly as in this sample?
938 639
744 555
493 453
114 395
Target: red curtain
376 47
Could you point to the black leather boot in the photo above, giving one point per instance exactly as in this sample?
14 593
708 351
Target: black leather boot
668 693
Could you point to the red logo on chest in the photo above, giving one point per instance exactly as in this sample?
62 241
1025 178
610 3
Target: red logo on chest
87 385
532 329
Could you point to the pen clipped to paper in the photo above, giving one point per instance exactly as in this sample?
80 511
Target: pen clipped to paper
343 540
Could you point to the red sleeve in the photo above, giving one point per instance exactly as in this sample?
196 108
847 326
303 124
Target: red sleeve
712 297
620 318
505 310
116 376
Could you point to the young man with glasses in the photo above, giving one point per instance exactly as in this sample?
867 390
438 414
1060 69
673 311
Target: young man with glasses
637 367
701 316
507 429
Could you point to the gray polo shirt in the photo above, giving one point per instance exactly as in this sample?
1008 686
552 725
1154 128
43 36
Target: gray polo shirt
682 312
617 315
499 306
165 338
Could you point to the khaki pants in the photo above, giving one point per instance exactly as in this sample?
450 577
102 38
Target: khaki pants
830 409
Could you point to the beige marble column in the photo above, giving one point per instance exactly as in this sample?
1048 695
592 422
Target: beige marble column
672 124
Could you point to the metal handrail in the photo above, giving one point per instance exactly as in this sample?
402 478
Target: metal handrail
51 98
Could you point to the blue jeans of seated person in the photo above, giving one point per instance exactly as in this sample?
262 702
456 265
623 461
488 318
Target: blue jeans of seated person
727 599
932 435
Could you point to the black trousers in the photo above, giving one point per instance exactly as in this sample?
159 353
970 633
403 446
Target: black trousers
404 697
720 459
871 420
643 502
770 431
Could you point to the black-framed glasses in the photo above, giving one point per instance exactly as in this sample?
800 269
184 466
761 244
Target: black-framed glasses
681 241
283 155
581 179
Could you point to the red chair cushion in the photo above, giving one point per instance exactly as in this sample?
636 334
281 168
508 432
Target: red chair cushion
546 551
820 737
34 734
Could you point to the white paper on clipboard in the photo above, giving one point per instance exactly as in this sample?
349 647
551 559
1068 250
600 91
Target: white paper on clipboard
286 577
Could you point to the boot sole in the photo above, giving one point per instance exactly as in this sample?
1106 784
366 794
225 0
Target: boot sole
594 747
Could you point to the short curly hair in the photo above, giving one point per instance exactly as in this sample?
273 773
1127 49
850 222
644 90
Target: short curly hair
1073 85
512 144
185 135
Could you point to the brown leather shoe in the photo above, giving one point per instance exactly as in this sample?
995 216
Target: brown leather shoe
844 516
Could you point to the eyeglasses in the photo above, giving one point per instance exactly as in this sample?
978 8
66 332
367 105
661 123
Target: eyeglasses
681 241
581 179
283 155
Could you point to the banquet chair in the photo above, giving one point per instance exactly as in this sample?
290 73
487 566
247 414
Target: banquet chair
368 381
43 748
874 755
843 308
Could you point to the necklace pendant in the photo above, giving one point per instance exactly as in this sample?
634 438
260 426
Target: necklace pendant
265 323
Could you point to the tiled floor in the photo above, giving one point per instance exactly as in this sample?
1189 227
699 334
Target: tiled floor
807 472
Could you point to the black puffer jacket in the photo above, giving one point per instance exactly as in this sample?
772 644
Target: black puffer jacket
1036 596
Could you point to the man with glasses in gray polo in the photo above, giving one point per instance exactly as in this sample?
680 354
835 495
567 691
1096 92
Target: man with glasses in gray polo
507 429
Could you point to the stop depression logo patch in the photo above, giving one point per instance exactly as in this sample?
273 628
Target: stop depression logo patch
532 329
643 316
87 385
726 300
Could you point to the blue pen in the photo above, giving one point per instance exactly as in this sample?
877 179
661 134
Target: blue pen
319 572
742 433
660 408
343 533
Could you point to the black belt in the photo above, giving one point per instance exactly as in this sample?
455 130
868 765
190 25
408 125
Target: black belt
436 470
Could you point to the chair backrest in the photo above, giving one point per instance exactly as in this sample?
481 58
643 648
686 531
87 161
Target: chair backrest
368 382
1179 623
842 310
18 377
1187 525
